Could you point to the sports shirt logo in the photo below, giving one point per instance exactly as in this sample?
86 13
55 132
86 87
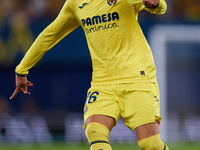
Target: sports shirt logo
111 2
100 22
83 5
100 19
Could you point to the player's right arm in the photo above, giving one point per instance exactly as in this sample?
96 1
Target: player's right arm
21 85
50 36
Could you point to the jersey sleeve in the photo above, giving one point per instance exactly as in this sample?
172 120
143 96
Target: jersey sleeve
138 5
64 24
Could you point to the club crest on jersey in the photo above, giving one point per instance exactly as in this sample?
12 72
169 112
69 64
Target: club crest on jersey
111 2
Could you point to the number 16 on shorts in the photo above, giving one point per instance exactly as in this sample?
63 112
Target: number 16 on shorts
91 97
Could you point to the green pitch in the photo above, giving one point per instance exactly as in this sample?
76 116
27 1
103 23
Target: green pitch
64 146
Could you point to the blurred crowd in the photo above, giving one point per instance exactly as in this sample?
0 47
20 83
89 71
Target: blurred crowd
29 10
184 10
29 126
34 10
25 126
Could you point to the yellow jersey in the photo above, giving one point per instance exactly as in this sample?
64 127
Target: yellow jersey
119 51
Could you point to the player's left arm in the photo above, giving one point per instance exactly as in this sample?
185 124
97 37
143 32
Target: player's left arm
155 6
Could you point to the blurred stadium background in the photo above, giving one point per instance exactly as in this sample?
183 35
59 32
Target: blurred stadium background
53 112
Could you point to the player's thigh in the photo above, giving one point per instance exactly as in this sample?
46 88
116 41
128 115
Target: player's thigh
147 130
107 121
141 105
101 106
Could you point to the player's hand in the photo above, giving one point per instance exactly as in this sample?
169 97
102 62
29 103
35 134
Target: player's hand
21 85
151 3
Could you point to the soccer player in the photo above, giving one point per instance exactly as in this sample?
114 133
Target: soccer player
124 75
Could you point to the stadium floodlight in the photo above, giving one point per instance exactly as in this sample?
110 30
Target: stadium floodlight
159 36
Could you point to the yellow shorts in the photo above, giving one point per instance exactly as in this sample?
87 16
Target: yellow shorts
136 103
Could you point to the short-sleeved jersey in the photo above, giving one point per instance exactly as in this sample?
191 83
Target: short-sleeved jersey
119 51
